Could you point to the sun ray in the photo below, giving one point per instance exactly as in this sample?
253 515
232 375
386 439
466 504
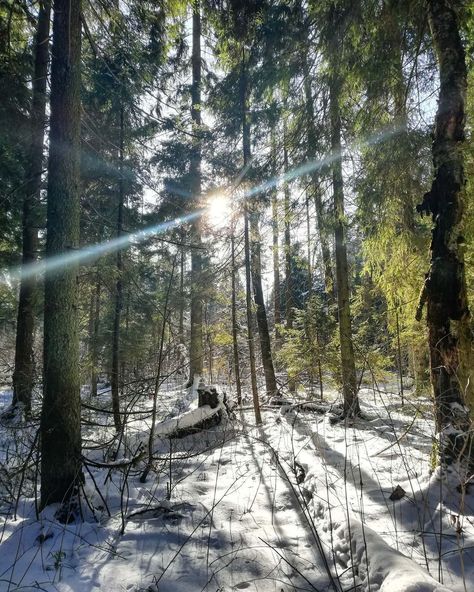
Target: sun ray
218 211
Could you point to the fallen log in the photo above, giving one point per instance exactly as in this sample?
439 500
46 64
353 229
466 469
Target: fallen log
208 414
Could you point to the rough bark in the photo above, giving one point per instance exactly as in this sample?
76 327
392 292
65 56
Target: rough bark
196 354
448 318
115 374
61 412
235 343
349 381
23 375
94 336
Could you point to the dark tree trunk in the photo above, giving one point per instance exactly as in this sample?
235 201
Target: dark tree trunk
312 141
255 260
235 342
289 292
348 371
289 299
181 292
262 322
23 375
444 291
248 269
276 241
94 336
196 354
248 302
115 375
61 413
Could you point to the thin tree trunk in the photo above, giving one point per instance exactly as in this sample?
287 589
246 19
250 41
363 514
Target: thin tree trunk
209 343
312 141
348 371
255 260
276 241
115 376
154 412
289 297
317 361
196 354
444 291
248 279
399 355
248 302
94 338
289 300
308 247
235 343
61 412
262 322
23 375
181 292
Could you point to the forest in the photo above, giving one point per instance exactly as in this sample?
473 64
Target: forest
236 262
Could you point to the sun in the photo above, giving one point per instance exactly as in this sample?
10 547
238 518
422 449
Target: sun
218 210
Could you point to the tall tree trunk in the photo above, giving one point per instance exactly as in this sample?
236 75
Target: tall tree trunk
348 371
276 240
94 347
181 291
289 300
248 271
115 375
61 412
255 259
262 322
248 302
444 290
196 354
312 141
289 292
23 375
235 342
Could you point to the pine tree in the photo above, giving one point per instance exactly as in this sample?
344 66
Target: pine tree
349 381
23 376
196 353
61 412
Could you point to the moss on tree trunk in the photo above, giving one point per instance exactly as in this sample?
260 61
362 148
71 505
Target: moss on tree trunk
444 291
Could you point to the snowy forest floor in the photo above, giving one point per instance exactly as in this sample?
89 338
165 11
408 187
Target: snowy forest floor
295 504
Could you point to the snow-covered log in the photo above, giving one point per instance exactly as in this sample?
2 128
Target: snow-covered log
208 414
388 570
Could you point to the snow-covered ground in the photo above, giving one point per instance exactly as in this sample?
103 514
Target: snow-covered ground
296 504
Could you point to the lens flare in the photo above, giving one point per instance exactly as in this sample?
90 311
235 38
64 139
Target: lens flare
91 253
218 211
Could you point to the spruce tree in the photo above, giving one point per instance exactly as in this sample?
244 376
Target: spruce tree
61 412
